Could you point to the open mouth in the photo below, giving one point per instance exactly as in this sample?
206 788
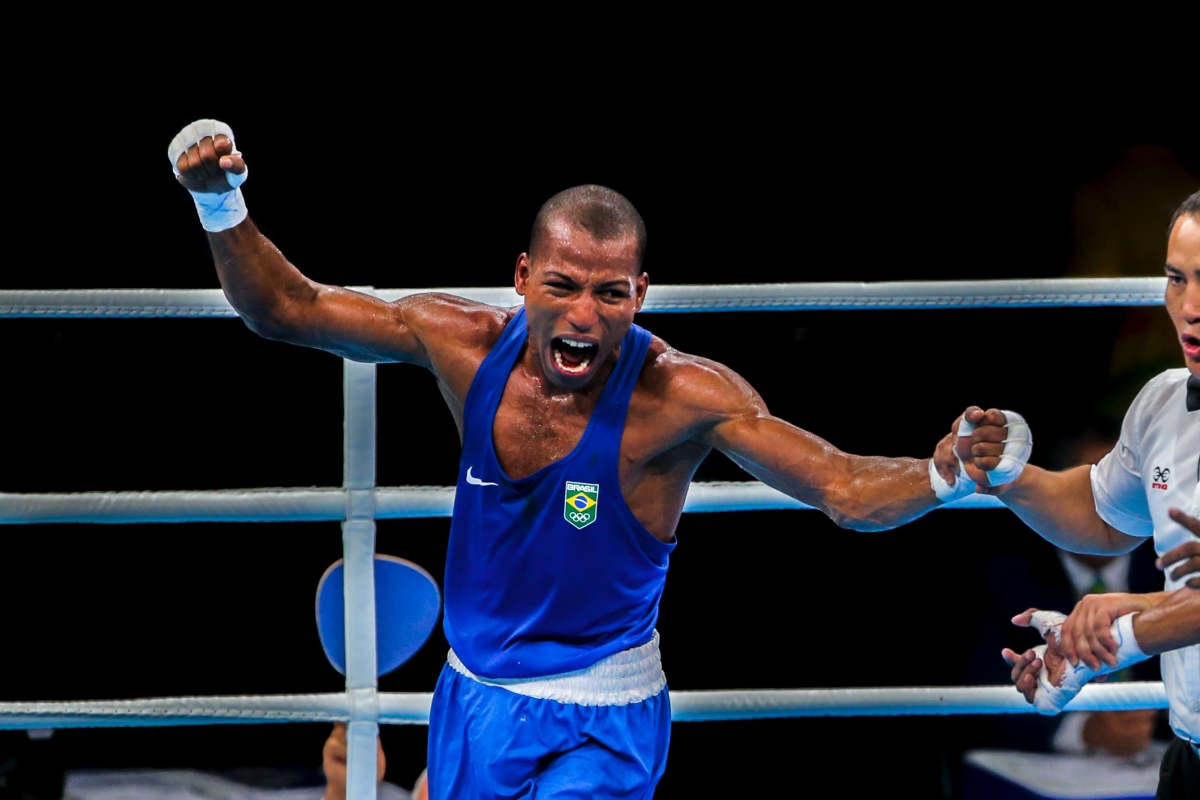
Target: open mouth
1191 342
572 356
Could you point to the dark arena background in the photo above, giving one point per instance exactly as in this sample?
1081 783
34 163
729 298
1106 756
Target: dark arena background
393 187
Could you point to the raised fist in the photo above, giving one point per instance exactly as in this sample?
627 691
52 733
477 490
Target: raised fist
207 164
205 159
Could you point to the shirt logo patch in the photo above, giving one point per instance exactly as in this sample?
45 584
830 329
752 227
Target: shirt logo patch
580 506
471 479
1160 477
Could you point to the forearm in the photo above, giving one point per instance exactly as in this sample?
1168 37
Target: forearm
865 493
1172 623
1061 508
882 493
260 283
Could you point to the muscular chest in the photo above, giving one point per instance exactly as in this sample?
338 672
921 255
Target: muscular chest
532 429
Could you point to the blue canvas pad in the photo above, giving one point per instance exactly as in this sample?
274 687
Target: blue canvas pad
407 603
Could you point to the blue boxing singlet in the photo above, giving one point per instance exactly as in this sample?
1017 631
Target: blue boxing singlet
552 572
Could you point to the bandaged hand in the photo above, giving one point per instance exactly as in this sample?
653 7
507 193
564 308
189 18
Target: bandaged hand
1057 680
206 163
985 449
1000 446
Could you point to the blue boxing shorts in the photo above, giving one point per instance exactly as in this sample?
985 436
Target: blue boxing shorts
601 732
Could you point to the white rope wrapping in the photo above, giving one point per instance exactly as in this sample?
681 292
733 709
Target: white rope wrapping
204 303
328 504
336 504
413 708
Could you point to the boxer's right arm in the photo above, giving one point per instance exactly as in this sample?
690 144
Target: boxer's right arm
277 301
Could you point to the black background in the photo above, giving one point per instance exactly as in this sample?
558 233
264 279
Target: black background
777 173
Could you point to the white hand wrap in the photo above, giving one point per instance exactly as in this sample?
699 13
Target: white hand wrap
218 211
963 485
1018 444
1050 699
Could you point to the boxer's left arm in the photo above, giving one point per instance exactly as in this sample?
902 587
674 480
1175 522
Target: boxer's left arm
867 493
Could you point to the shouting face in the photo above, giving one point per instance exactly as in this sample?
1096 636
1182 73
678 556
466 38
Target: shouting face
1183 286
580 297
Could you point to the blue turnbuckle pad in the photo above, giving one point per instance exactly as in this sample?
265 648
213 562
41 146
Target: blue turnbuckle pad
407 603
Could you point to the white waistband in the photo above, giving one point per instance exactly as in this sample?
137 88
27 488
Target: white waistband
630 676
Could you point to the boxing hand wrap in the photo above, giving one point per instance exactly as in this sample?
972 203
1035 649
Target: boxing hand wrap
1051 699
1018 444
218 211
963 485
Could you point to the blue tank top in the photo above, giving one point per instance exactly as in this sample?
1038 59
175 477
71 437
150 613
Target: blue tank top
552 572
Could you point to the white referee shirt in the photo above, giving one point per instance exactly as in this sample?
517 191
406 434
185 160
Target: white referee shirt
1156 465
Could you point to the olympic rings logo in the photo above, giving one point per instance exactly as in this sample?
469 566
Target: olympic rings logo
1162 475
575 516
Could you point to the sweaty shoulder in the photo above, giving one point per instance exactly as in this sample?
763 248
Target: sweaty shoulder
699 390
446 324
454 335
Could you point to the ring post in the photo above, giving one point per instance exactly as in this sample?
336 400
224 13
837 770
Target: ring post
358 542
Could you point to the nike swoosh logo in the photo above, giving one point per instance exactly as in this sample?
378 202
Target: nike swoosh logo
471 479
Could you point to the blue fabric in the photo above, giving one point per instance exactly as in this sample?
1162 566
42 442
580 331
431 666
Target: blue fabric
489 742
527 592
407 604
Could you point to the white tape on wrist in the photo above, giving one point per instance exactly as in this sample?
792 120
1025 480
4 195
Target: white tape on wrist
1018 445
963 485
218 211
1050 698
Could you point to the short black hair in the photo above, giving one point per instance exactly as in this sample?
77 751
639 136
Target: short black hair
602 212
1190 207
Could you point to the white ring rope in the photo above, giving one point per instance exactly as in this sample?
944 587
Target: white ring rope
361 503
686 706
208 303
328 504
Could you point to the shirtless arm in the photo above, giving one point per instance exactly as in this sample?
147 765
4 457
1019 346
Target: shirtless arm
277 301
867 493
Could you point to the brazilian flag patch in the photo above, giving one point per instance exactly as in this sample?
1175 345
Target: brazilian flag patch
580 506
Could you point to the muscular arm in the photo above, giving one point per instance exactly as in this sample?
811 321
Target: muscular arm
275 300
1061 508
867 493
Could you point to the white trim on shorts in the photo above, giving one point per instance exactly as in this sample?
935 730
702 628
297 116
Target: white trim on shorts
630 676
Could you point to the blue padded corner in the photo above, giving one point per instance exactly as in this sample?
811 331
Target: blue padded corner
407 602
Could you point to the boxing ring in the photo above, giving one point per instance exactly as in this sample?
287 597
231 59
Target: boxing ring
359 502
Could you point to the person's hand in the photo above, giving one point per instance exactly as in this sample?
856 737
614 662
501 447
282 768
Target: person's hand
1120 733
202 167
1087 633
944 460
953 453
981 452
1025 666
1185 559
333 760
